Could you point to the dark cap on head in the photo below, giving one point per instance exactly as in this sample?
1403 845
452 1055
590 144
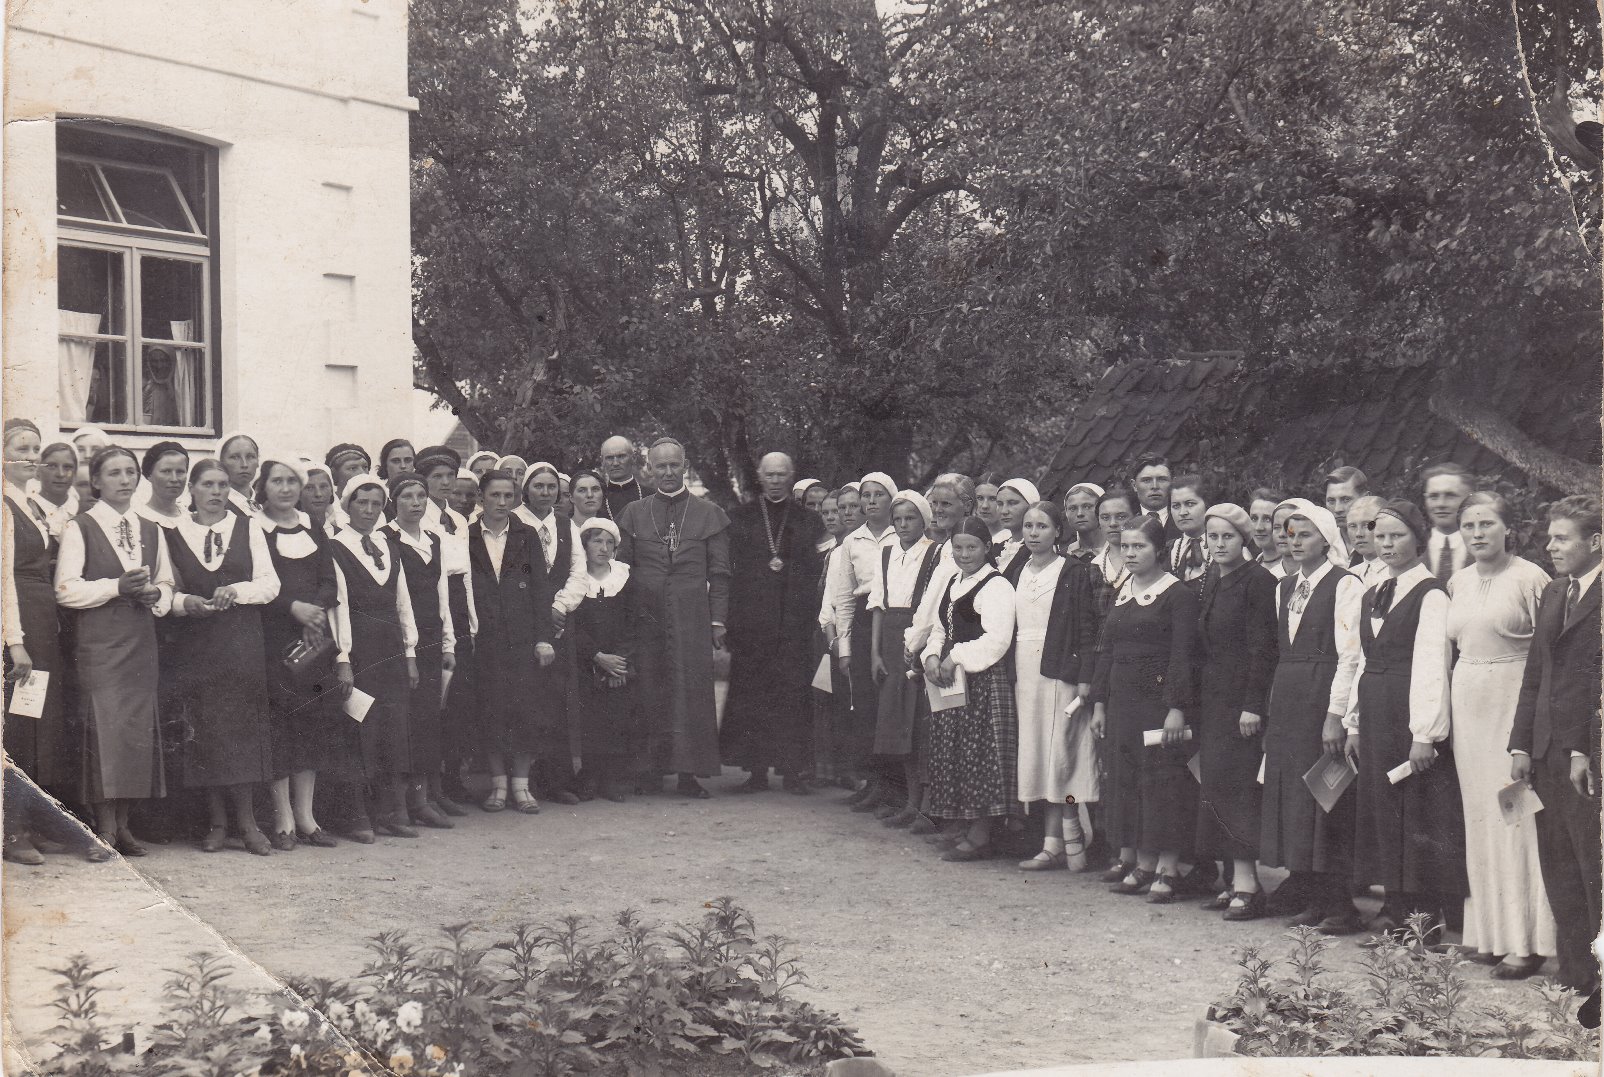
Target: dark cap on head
1410 515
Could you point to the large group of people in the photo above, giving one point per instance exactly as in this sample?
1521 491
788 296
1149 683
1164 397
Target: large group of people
1182 688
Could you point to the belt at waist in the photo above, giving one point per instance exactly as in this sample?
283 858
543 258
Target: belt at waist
1500 660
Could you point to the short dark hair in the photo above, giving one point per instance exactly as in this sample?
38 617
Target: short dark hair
495 474
1190 482
1338 476
1053 512
1150 459
1150 528
1119 493
1581 509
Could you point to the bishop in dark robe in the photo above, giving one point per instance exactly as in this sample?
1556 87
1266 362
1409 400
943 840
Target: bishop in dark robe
774 570
677 548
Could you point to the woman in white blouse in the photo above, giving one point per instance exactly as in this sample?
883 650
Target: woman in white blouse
973 747
1410 833
317 497
166 469
114 571
239 456
58 467
378 640
219 687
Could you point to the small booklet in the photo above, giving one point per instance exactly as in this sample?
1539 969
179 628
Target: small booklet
1152 738
445 684
1263 759
1328 779
1400 772
821 676
954 695
357 704
28 697
1516 801
1195 765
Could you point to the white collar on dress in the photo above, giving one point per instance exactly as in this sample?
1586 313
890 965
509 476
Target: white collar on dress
611 584
1318 574
1146 596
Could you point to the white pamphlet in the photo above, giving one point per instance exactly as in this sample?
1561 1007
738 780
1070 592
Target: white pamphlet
28 697
357 704
1152 738
1400 772
821 676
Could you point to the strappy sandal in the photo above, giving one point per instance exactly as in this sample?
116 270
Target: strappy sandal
496 801
1219 901
525 803
1075 855
1136 882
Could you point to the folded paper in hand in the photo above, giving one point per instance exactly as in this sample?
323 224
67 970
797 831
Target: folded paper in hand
954 695
1195 765
1152 738
821 676
28 697
1516 801
1328 779
445 684
1074 706
1263 759
1400 772
357 704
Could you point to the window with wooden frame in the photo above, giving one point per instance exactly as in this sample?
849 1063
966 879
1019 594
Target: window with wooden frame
136 279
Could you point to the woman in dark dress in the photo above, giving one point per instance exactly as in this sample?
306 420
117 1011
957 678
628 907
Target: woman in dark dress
219 682
1146 681
1317 644
239 455
1409 834
604 643
32 639
974 748
113 572
378 643
1236 646
304 707
439 467
422 558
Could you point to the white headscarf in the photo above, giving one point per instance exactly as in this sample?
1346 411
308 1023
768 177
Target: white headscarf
600 523
1097 491
357 482
802 486
1325 523
541 465
1024 488
917 500
878 477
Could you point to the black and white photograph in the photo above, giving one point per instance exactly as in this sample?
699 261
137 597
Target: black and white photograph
822 538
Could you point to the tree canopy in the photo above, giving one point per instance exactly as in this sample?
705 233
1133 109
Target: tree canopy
911 238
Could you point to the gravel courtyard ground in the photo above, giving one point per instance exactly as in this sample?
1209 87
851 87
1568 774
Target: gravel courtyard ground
946 969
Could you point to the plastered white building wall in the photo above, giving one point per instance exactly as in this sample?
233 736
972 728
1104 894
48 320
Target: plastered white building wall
306 104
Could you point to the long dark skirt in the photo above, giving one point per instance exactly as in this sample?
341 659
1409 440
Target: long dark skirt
1229 802
974 751
1149 796
1410 836
1294 833
899 694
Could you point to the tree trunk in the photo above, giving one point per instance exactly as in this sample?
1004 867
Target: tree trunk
1496 433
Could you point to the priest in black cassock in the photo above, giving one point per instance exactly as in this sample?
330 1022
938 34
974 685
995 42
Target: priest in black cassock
621 475
774 572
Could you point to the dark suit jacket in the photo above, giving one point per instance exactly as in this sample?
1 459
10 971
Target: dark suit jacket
1559 694
517 607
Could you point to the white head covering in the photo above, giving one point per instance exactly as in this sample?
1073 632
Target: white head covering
1325 523
482 454
356 482
878 477
464 473
600 523
538 466
917 500
84 431
1024 488
293 461
502 462
802 486
1097 491
850 486
569 479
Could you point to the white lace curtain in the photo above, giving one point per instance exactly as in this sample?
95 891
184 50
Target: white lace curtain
186 374
77 364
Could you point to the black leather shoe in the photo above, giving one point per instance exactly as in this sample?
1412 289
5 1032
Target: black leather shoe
1117 871
319 838
1290 898
690 787
1342 922
283 840
1252 907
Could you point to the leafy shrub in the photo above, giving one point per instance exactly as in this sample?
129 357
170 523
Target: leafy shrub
1409 1000
551 1001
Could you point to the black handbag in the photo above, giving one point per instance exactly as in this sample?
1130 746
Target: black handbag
305 662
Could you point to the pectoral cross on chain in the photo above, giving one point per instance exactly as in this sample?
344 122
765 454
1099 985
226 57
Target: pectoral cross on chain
671 539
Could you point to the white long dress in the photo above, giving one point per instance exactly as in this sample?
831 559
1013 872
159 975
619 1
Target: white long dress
1490 619
1056 755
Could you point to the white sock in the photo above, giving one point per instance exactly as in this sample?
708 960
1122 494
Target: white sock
520 785
1052 846
1073 834
498 785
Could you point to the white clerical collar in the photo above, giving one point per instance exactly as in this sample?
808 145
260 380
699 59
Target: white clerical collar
683 491
621 483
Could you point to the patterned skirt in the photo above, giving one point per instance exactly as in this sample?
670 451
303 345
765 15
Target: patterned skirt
974 751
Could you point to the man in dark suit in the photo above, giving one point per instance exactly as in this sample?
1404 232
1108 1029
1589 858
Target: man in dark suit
1151 481
1555 741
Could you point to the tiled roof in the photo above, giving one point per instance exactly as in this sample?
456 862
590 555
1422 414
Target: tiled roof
1378 421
